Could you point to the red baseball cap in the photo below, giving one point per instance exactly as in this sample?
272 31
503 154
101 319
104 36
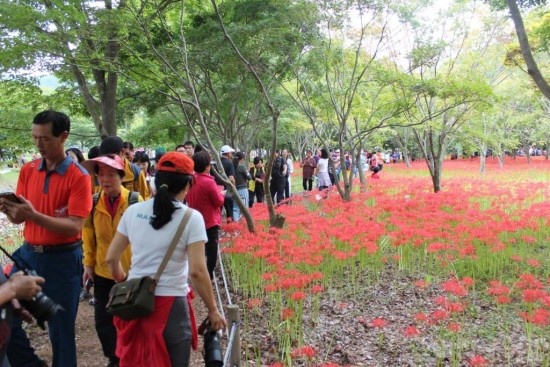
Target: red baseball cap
181 163
111 160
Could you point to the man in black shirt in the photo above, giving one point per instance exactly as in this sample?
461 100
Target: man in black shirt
278 178
229 169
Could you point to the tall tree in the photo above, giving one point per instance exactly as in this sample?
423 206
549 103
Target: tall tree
445 97
19 102
79 41
208 72
339 82
532 67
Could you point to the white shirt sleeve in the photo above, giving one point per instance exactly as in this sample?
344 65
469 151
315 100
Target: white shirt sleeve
195 229
290 165
123 224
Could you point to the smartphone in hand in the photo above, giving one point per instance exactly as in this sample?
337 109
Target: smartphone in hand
89 284
9 196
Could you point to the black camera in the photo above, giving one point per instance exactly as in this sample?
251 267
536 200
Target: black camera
212 351
41 307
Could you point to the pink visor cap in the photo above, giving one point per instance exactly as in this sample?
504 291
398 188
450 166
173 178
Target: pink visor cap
111 160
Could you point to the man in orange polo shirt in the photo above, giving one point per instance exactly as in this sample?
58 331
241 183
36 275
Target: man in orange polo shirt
55 199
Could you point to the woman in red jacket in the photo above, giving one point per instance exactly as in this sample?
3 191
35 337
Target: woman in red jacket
207 198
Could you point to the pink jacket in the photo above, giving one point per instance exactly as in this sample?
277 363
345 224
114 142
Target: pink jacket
206 197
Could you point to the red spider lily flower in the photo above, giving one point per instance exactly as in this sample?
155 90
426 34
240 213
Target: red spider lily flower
454 307
529 281
287 313
254 303
362 320
7 268
468 250
317 288
453 286
267 276
270 288
441 301
342 305
298 296
454 327
516 258
502 299
278 364
421 284
539 317
497 288
478 361
306 351
439 315
421 317
411 331
533 262
533 295
468 282
436 247
378 323
317 275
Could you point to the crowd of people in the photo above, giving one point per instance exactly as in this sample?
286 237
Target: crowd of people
101 221
98 221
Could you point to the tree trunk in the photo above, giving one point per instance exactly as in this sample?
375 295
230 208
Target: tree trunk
345 193
500 157
532 67
406 158
525 146
547 155
348 182
275 220
436 175
360 171
482 159
403 146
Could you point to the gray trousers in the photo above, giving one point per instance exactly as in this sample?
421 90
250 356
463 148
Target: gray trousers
177 333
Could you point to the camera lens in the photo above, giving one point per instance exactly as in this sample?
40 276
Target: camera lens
42 308
212 350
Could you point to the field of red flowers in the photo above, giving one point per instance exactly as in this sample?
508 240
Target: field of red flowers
401 276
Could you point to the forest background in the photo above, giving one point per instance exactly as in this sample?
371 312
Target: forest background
429 78
131 68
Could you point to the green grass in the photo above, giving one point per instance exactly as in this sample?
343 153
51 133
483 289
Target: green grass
9 180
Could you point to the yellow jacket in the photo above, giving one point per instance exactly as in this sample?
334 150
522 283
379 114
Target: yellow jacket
133 183
98 234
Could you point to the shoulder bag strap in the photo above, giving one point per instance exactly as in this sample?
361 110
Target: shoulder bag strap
172 247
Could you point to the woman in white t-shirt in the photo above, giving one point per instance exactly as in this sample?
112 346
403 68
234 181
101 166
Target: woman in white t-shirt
323 178
164 337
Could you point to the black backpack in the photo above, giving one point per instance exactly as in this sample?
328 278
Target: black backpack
278 167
